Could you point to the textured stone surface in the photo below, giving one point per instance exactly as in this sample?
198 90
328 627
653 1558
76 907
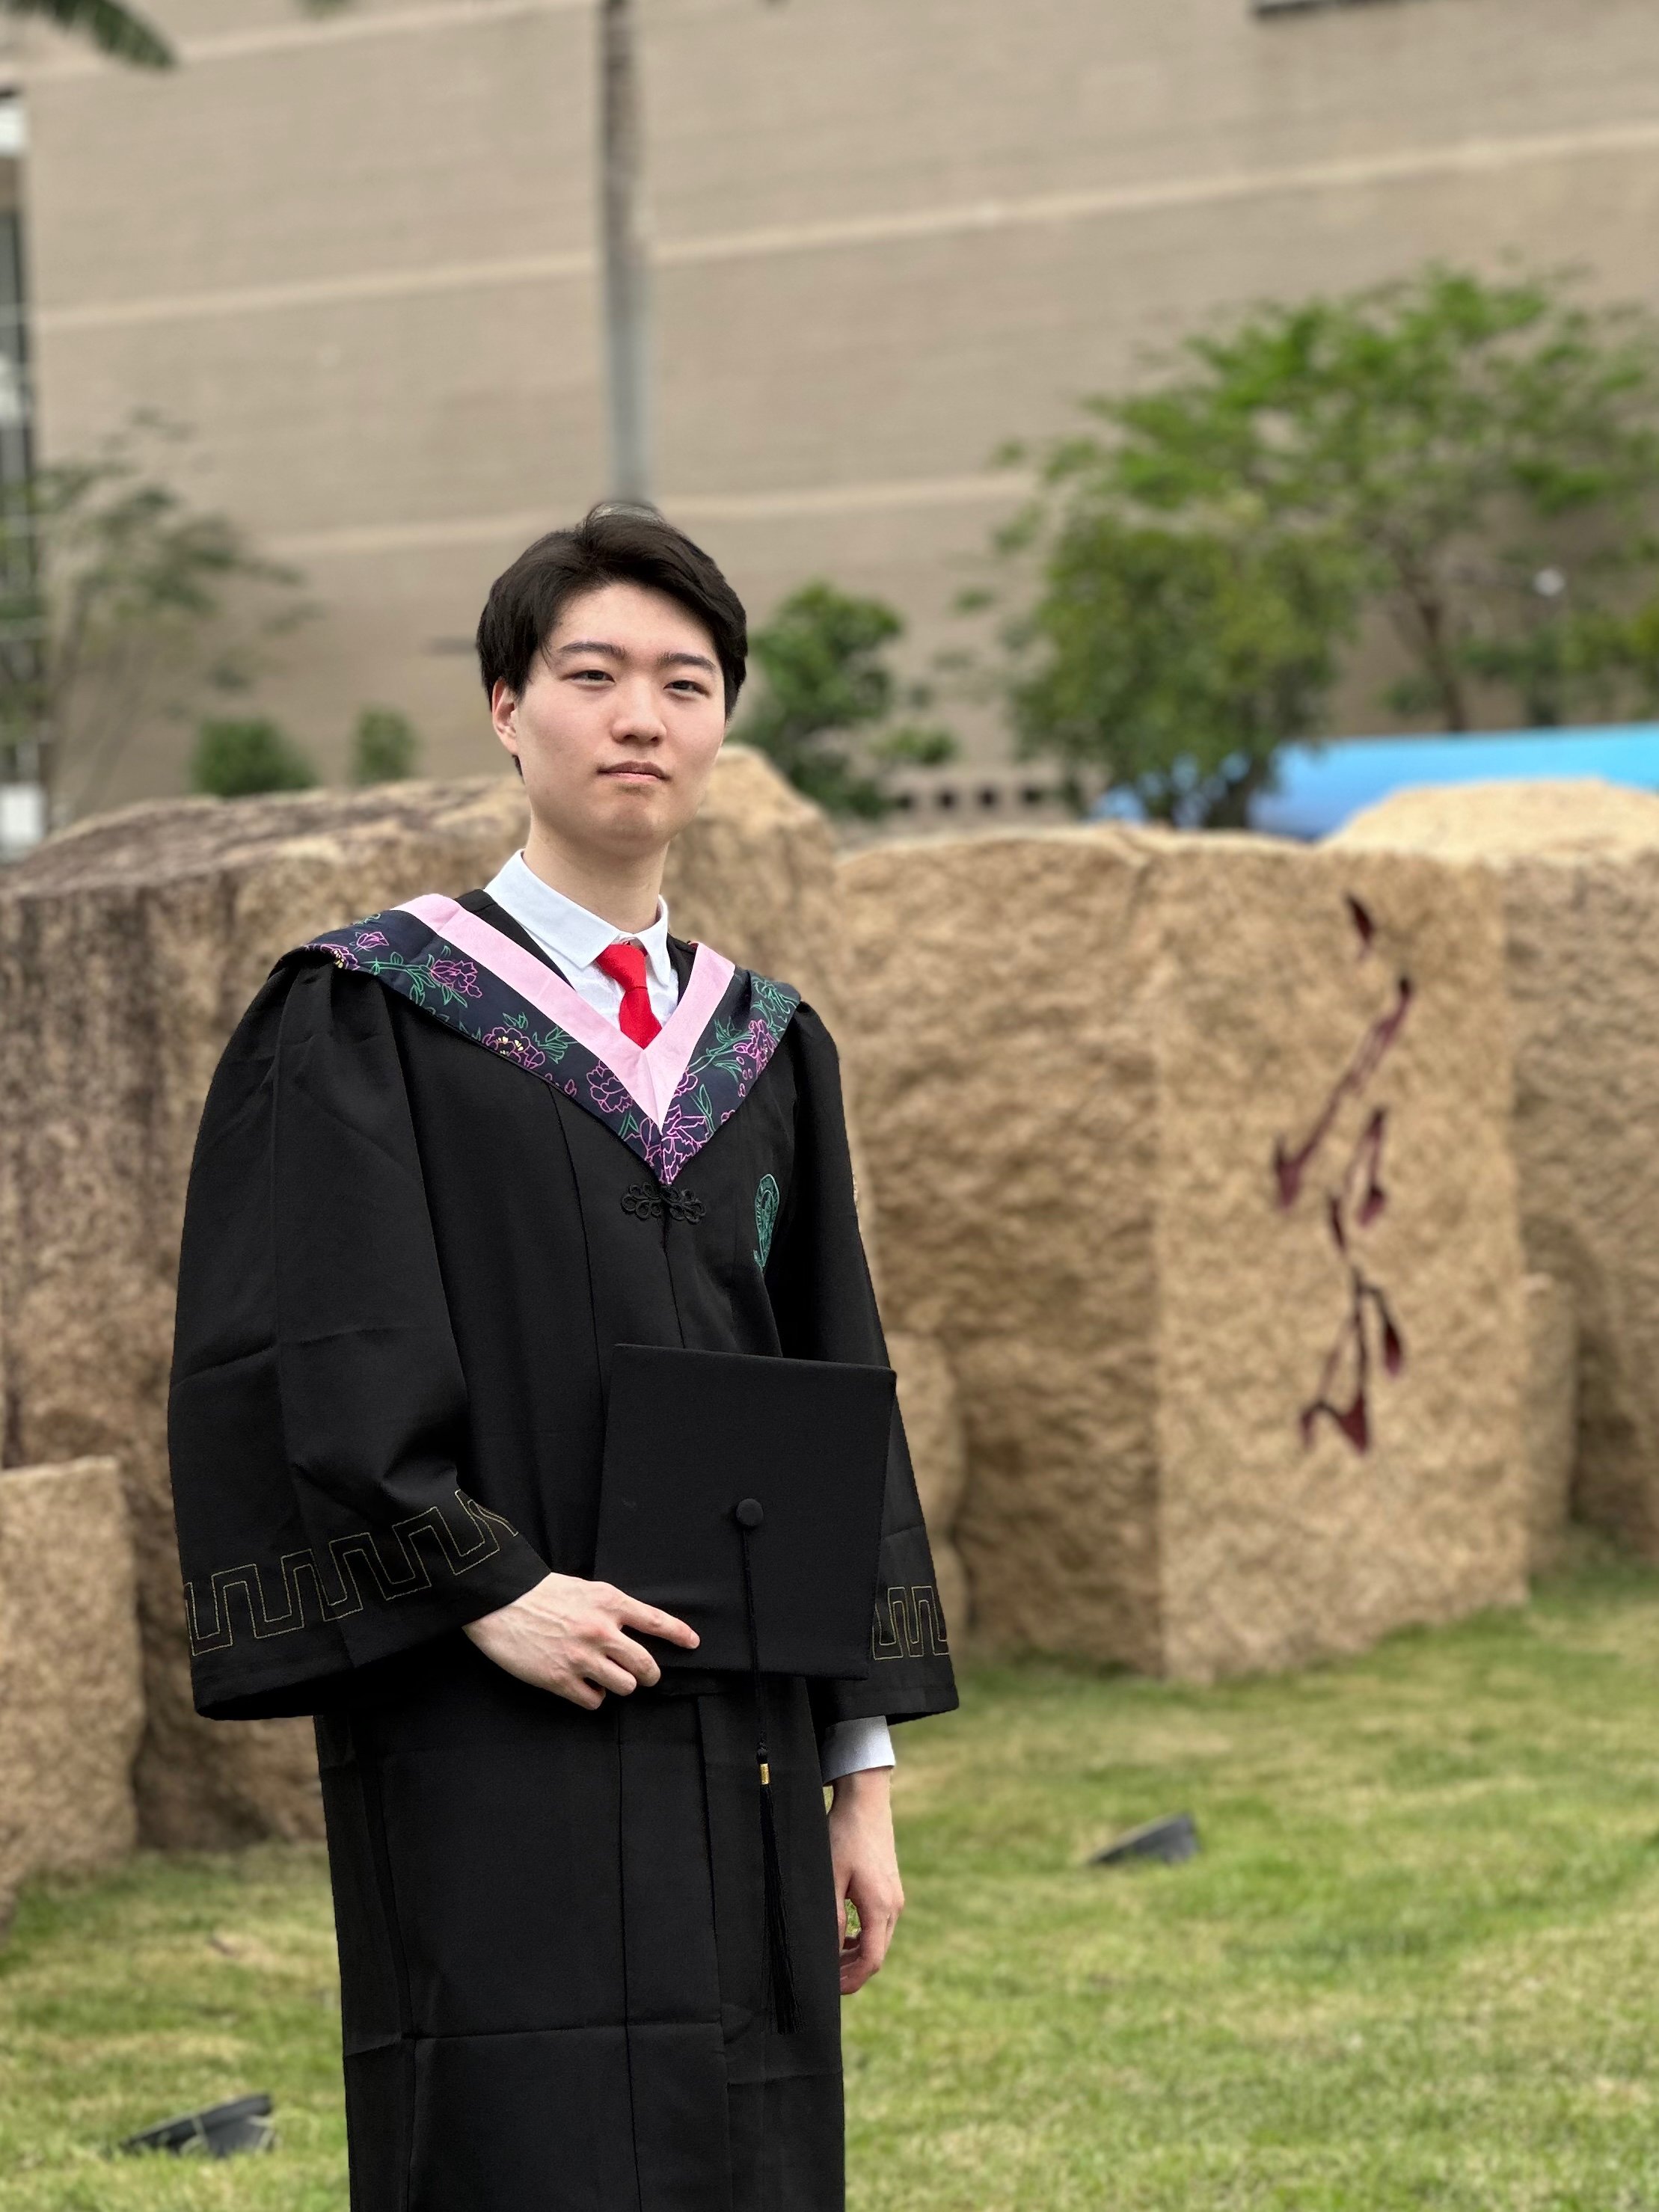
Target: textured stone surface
128 950
1077 1053
1503 822
932 1426
1577 865
1550 1415
71 1693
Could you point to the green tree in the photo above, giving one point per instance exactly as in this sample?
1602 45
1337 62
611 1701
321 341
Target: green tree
118 602
823 659
119 32
384 747
1176 662
1627 644
237 759
1454 439
1475 460
122 33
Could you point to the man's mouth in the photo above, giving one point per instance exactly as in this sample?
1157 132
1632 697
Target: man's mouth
635 767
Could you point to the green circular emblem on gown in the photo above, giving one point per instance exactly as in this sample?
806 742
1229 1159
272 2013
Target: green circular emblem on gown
766 1218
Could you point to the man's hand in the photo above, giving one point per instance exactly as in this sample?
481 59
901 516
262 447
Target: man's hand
865 1861
567 1636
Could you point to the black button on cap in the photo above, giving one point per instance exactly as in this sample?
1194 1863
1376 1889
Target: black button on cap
749 1512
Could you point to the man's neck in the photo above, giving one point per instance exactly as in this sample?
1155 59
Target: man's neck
623 891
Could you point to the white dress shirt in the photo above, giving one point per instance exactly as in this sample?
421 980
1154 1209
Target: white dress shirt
575 939
572 937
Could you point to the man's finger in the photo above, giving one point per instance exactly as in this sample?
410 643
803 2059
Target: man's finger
608 1676
634 1613
857 1967
625 1652
877 1923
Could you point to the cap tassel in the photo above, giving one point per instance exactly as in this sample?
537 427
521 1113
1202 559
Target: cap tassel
780 1965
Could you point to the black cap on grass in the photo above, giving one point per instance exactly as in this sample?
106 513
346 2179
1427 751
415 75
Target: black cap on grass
217 2131
1168 1841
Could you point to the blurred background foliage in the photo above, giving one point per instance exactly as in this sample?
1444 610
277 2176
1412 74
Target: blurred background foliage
122 33
825 678
1472 461
385 747
236 759
120 601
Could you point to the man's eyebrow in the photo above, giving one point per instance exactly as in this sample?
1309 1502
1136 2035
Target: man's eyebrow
614 653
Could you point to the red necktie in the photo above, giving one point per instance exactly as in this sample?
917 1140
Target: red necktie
625 963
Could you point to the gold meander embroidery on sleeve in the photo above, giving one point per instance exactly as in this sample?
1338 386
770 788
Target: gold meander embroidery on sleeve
394 1567
909 1623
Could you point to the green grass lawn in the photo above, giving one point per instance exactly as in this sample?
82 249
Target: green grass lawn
1417 1963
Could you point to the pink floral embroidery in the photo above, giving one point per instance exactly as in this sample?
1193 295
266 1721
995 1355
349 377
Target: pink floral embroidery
458 976
609 1095
753 1049
686 1130
467 995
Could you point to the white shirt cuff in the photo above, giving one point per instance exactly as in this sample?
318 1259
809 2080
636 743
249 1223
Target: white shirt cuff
851 1745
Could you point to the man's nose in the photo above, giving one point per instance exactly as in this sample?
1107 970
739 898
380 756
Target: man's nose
638 715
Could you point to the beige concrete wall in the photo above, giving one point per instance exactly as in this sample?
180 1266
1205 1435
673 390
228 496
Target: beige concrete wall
355 255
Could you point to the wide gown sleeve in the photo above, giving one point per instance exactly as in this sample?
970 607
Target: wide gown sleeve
317 1420
822 1294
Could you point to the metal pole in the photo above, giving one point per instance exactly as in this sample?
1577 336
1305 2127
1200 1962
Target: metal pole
627 266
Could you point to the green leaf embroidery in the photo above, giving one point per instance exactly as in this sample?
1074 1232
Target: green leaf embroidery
767 1198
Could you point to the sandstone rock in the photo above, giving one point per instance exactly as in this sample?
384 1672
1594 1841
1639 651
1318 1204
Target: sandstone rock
1550 1415
1577 867
71 1698
1113 1085
955 1596
932 1426
1504 820
129 948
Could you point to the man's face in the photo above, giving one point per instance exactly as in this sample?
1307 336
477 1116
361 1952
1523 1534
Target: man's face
617 727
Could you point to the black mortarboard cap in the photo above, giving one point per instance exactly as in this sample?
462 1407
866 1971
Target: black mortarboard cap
219 2131
744 1494
712 1458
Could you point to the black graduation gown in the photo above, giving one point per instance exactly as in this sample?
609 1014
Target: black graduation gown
406 1262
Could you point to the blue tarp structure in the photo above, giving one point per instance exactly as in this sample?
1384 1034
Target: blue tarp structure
1323 787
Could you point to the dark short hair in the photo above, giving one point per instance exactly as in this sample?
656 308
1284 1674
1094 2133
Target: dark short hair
613 544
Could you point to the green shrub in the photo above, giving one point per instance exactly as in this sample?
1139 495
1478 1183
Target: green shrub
234 759
384 747
822 658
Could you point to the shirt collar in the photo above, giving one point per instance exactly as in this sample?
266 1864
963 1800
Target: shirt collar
570 934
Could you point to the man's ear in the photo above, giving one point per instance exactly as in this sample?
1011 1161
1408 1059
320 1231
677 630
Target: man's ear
503 717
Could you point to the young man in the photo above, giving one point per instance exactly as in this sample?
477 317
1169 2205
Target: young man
454 1156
